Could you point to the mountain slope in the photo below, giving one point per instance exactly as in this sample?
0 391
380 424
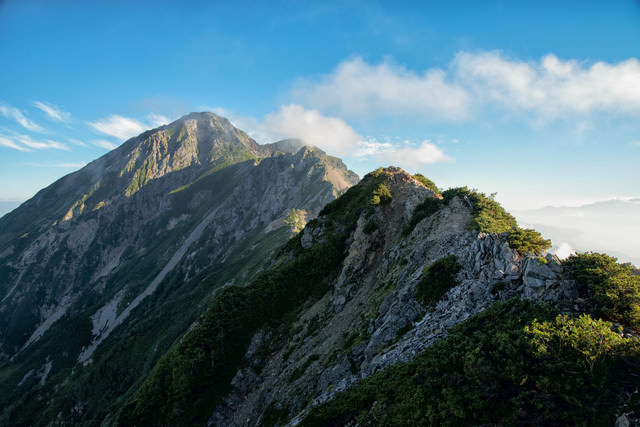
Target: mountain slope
127 252
381 275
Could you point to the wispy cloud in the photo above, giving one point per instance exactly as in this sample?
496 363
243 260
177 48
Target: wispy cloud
53 111
23 142
6 142
473 83
157 120
103 143
635 143
15 114
70 165
121 127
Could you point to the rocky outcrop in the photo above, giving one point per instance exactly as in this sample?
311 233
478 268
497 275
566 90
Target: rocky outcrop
372 318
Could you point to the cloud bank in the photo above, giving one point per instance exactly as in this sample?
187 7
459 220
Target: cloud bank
547 88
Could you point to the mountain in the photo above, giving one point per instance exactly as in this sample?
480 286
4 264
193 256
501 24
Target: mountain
103 270
195 277
396 306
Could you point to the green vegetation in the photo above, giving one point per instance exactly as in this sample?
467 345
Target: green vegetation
427 182
437 279
427 208
370 227
589 340
525 240
488 215
489 371
613 286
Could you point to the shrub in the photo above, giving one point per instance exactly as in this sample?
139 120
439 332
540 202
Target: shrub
437 279
427 182
526 240
613 286
488 215
584 338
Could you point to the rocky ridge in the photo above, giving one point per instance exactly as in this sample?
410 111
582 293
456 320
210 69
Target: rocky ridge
371 318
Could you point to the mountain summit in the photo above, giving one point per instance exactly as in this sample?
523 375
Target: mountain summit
144 237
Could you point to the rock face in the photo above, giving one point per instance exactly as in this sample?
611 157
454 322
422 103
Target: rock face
152 229
372 318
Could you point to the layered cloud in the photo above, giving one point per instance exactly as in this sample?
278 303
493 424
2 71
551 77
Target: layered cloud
546 88
53 111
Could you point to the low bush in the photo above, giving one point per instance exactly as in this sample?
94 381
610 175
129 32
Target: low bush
613 286
437 279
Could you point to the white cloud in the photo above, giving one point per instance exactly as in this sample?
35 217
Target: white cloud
550 86
358 88
331 134
121 127
544 89
103 143
157 120
564 251
6 142
17 115
408 156
53 111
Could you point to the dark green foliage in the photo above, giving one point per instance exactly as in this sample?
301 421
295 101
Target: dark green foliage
300 370
613 286
487 372
488 215
427 182
370 227
526 240
427 208
274 416
437 279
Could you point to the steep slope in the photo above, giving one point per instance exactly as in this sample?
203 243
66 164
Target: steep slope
384 273
127 252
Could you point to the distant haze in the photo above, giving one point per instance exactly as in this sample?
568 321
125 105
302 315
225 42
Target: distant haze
609 226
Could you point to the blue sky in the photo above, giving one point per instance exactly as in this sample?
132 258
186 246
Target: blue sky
537 101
